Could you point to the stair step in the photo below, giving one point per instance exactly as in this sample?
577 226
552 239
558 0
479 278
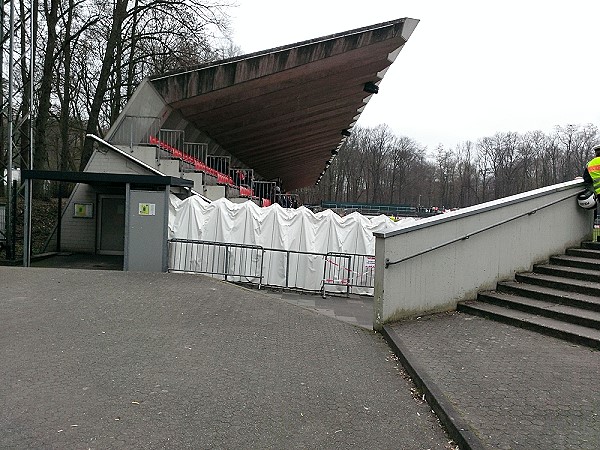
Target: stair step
567 272
563 330
564 312
584 252
551 295
575 261
591 288
591 244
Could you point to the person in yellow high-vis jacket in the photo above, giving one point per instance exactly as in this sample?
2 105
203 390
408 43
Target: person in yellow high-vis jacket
591 174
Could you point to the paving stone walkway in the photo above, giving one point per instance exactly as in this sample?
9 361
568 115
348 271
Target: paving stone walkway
106 359
355 309
515 389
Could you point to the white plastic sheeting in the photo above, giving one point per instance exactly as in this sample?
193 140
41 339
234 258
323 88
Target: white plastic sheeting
295 230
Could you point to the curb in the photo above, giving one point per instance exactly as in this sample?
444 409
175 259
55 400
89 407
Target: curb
458 429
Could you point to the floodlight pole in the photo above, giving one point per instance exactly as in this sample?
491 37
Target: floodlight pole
15 159
10 217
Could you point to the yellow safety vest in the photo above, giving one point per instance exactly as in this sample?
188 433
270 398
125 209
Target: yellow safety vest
593 169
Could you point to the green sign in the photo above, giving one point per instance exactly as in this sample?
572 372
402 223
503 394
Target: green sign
147 209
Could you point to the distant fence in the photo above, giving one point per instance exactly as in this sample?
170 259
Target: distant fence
373 208
376 209
290 269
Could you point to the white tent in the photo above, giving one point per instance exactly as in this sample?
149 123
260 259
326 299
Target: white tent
295 232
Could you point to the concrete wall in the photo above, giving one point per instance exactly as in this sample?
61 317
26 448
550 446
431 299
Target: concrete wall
144 102
214 192
170 167
79 234
112 162
197 178
145 153
239 200
437 280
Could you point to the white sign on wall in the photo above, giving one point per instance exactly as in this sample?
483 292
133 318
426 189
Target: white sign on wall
84 210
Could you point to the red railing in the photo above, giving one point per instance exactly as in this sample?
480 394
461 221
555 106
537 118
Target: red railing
201 166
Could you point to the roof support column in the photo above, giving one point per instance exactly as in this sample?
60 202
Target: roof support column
27 224
165 258
126 231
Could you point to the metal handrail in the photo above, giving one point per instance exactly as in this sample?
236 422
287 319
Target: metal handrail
222 244
467 236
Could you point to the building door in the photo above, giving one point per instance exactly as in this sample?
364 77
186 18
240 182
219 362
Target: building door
111 226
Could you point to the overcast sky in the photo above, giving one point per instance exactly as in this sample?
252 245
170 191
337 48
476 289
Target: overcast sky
470 69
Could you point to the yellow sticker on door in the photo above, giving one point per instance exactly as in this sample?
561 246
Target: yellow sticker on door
147 209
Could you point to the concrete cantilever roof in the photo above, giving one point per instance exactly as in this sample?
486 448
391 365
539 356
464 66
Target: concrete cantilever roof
282 111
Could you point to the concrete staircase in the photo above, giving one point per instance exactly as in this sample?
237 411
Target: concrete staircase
560 298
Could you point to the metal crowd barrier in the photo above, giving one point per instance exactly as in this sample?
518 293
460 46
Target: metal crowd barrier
252 264
216 258
348 270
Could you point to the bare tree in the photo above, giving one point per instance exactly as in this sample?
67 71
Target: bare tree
466 175
377 148
50 13
402 155
156 36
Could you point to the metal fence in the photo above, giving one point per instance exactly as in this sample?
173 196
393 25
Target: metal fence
242 177
172 139
145 130
219 163
197 150
342 269
136 130
339 273
230 261
371 207
264 189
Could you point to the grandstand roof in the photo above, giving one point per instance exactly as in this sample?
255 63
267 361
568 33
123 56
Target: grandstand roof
282 111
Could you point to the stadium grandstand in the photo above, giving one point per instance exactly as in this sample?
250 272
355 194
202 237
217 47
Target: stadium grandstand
251 128
257 125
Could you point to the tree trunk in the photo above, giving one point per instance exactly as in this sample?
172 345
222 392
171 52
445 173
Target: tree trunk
65 106
26 106
40 155
119 14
